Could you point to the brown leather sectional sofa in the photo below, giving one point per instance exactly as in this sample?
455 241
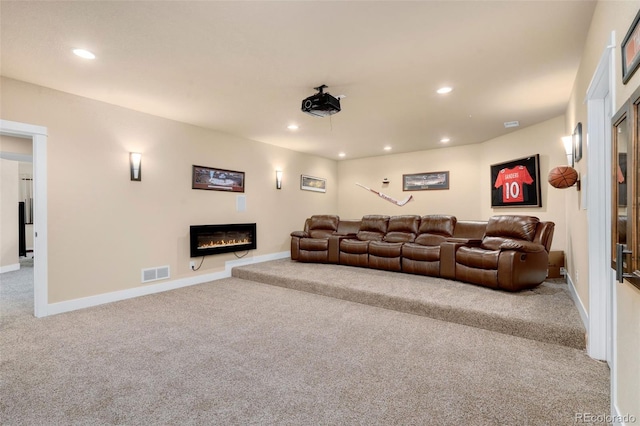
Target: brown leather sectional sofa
506 252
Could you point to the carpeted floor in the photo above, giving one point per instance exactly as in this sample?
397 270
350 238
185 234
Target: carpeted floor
240 352
546 313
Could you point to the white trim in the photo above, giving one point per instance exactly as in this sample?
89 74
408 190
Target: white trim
38 135
599 196
100 299
576 300
9 268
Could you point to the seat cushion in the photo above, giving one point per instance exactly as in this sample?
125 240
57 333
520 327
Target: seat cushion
430 239
314 244
475 257
384 249
419 252
354 246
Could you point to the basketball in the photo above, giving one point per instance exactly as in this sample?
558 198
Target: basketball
563 177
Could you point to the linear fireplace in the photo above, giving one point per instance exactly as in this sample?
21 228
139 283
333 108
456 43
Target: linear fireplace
216 239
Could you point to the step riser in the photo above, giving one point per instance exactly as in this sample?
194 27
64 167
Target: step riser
511 326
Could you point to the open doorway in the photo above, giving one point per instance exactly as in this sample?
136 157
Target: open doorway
38 136
16 219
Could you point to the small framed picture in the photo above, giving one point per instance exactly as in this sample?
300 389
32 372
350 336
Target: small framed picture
310 183
577 143
425 181
217 179
516 183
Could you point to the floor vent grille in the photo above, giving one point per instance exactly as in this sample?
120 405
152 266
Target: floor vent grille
155 274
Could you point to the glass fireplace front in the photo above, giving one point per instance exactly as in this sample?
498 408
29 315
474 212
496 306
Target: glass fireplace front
216 239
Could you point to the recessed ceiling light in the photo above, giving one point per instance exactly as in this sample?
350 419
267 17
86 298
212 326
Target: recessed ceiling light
342 154
387 148
84 54
445 140
444 90
292 127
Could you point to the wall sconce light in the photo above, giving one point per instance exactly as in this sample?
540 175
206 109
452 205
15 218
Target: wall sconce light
135 159
278 179
567 141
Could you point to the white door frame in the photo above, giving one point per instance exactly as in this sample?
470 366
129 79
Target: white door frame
38 135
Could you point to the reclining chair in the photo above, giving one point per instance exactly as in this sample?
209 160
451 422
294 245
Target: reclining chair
387 254
513 254
312 244
423 256
355 251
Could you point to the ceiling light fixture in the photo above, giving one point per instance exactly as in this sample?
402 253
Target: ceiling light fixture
84 54
292 127
445 140
444 90
342 154
387 148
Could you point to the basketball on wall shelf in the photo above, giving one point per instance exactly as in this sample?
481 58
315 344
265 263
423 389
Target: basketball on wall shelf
563 177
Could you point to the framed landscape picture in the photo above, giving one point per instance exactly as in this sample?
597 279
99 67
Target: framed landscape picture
310 183
516 183
425 181
217 179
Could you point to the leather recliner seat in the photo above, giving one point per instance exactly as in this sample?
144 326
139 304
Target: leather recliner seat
387 254
512 255
355 251
423 255
312 244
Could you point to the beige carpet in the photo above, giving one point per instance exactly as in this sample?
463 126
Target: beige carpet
236 352
546 313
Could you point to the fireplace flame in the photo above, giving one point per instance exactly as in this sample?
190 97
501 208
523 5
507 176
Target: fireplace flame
220 243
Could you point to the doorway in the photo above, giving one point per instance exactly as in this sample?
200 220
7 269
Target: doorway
38 135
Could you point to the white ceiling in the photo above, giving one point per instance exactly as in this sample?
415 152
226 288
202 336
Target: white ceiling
243 67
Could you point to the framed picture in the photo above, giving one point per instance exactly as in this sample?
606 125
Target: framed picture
310 183
577 143
217 179
516 183
424 181
631 50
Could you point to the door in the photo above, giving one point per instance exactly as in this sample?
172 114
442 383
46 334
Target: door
624 224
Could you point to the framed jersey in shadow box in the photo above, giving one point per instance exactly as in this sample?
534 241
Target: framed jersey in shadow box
516 183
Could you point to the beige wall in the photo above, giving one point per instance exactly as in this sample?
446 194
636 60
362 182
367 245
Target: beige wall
8 213
104 228
609 16
469 194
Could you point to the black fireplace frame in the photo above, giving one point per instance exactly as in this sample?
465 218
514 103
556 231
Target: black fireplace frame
197 230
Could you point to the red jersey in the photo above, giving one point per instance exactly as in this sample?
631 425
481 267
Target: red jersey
512 182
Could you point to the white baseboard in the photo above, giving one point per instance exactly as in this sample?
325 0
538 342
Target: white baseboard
100 299
9 268
576 301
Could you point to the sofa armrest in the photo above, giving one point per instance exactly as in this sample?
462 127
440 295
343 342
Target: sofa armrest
300 234
521 246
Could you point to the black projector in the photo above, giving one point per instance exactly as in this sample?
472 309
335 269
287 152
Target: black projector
321 104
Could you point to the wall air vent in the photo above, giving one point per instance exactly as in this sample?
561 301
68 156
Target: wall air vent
510 124
155 274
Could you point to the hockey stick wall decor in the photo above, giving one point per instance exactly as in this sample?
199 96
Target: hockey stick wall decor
386 197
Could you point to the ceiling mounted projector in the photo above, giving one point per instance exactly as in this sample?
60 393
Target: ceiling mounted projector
321 104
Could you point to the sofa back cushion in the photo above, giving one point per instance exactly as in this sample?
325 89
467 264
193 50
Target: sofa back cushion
438 224
518 227
501 228
373 227
402 229
321 226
